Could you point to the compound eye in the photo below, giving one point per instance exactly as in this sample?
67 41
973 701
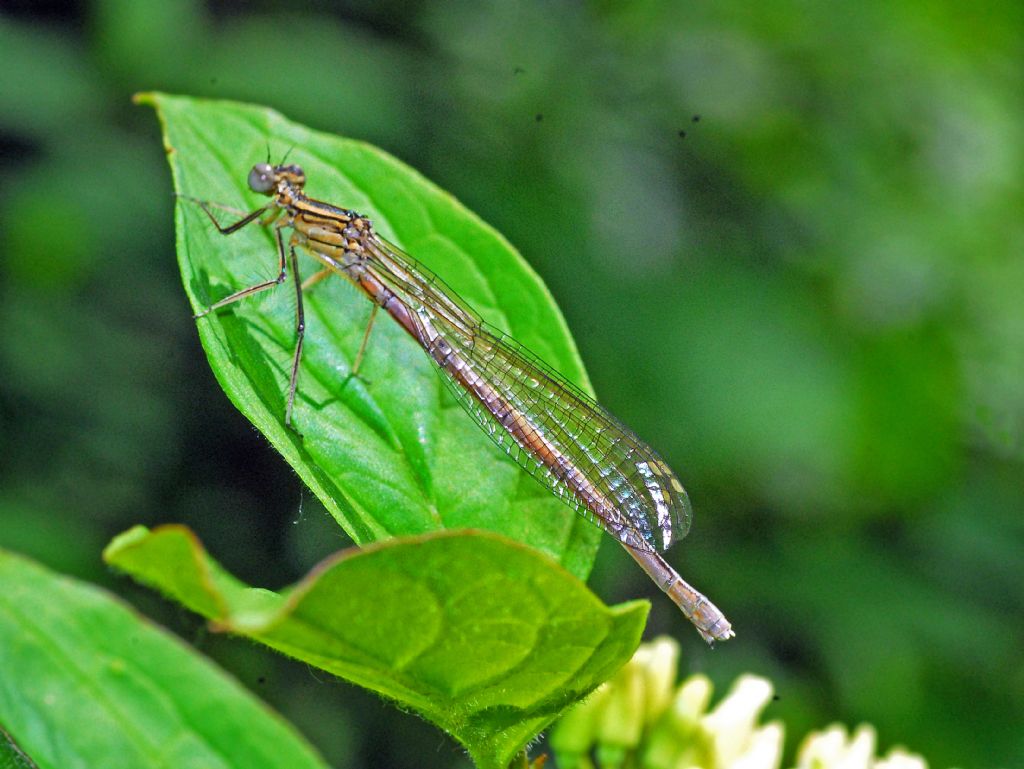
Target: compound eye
261 178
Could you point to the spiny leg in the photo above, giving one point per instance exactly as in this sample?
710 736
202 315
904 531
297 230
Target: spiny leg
312 280
272 213
366 338
300 331
249 218
212 204
282 273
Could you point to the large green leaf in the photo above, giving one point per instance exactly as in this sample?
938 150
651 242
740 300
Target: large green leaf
486 638
87 682
394 454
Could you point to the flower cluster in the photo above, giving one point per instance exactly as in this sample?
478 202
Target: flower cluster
641 720
833 748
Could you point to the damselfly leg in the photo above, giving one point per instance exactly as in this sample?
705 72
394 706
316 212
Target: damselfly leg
272 217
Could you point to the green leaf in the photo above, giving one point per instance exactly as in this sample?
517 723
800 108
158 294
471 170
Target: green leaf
486 638
394 454
87 682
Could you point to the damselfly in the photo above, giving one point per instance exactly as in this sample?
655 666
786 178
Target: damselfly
551 428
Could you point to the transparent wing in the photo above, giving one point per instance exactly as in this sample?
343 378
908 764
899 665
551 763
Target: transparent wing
418 287
553 430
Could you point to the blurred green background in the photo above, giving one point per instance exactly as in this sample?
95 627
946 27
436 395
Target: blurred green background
788 237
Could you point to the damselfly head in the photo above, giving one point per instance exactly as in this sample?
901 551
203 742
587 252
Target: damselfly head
263 177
